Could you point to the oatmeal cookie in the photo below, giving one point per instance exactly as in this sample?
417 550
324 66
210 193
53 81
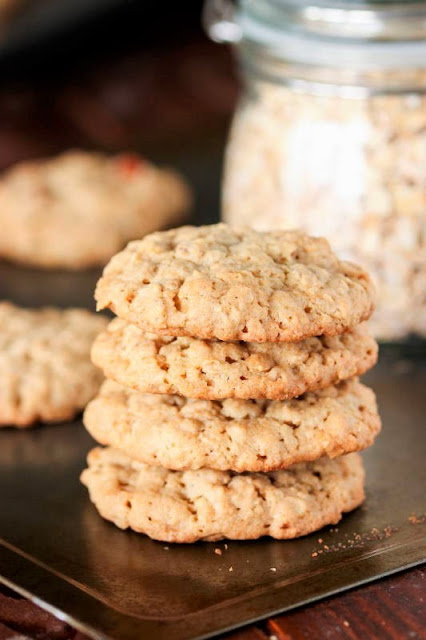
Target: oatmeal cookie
78 209
45 369
211 369
238 435
176 506
214 282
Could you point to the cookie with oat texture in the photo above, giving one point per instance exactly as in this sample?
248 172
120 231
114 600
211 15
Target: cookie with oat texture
45 370
212 369
215 282
78 209
241 435
186 506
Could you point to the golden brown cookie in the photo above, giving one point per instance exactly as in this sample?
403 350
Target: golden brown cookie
45 369
235 284
76 210
240 435
186 506
214 370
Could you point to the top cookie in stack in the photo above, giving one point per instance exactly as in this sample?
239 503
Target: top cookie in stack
215 282
215 313
258 337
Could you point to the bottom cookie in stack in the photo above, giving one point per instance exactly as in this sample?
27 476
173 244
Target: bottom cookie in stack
186 506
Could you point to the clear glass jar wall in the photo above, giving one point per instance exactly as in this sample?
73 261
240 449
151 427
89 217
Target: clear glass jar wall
341 152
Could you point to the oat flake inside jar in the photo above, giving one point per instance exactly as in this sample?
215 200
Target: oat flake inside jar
330 135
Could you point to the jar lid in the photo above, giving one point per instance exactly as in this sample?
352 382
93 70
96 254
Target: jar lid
378 20
334 33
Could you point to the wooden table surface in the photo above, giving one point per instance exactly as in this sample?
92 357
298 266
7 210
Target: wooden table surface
393 608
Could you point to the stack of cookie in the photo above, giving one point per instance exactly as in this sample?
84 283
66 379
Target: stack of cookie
232 407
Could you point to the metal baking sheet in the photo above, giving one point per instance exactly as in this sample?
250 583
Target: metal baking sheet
56 550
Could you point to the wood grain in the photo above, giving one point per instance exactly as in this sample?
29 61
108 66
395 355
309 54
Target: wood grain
18 615
391 609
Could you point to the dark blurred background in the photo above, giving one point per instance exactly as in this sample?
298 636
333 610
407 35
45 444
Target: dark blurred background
115 75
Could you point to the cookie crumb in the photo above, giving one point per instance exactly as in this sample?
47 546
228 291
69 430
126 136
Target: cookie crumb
346 623
273 569
226 546
320 540
415 519
230 569
166 548
314 554
218 552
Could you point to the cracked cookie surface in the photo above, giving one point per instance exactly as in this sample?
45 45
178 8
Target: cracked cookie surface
45 369
78 209
211 369
186 506
235 284
239 435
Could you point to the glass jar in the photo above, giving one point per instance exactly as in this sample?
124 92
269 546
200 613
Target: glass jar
330 136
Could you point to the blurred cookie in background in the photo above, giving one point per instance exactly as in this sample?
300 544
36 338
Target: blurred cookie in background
76 210
45 370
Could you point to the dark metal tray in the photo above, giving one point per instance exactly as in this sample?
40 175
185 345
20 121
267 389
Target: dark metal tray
56 550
